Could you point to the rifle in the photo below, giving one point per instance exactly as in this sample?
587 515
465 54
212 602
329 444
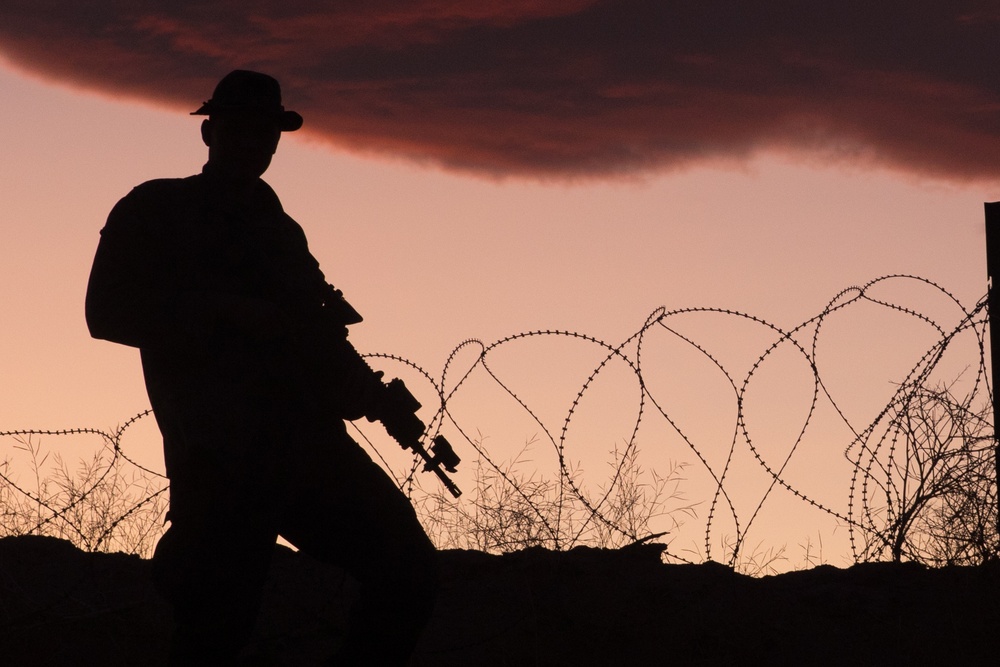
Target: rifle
390 403
397 409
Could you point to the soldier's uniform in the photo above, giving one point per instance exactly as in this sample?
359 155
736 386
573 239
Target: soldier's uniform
254 445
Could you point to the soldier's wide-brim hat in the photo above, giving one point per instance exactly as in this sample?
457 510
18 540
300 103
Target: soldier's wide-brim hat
250 93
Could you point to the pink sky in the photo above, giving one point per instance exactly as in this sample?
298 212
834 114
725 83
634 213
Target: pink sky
433 256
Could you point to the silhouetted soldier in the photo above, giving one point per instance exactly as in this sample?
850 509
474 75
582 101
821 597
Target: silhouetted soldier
215 285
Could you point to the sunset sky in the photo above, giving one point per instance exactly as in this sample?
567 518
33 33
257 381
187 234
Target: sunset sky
479 169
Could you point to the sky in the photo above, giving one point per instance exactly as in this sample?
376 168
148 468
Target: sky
473 170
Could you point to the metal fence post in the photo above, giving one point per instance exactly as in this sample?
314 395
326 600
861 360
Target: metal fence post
993 304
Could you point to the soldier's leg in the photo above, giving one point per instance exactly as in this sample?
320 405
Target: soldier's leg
212 562
211 566
344 509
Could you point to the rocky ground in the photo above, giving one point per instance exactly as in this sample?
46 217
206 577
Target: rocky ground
62 607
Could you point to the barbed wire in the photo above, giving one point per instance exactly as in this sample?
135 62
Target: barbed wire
880 512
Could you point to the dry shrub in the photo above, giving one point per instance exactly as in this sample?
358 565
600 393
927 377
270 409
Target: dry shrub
940 495
104 504
513 507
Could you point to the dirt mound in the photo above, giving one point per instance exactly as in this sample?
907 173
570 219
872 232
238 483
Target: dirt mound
60 606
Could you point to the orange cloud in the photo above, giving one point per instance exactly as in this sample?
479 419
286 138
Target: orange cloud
570 88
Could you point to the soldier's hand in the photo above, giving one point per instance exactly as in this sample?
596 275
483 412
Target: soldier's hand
206 313
258 319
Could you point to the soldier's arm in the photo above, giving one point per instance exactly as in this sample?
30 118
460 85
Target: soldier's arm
126 302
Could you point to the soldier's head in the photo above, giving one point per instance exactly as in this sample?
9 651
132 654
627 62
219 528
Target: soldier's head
245 121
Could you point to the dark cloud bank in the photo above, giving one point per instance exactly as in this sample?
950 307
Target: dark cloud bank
566 87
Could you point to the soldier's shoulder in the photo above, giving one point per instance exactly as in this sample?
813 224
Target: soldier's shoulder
154 203
164 189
